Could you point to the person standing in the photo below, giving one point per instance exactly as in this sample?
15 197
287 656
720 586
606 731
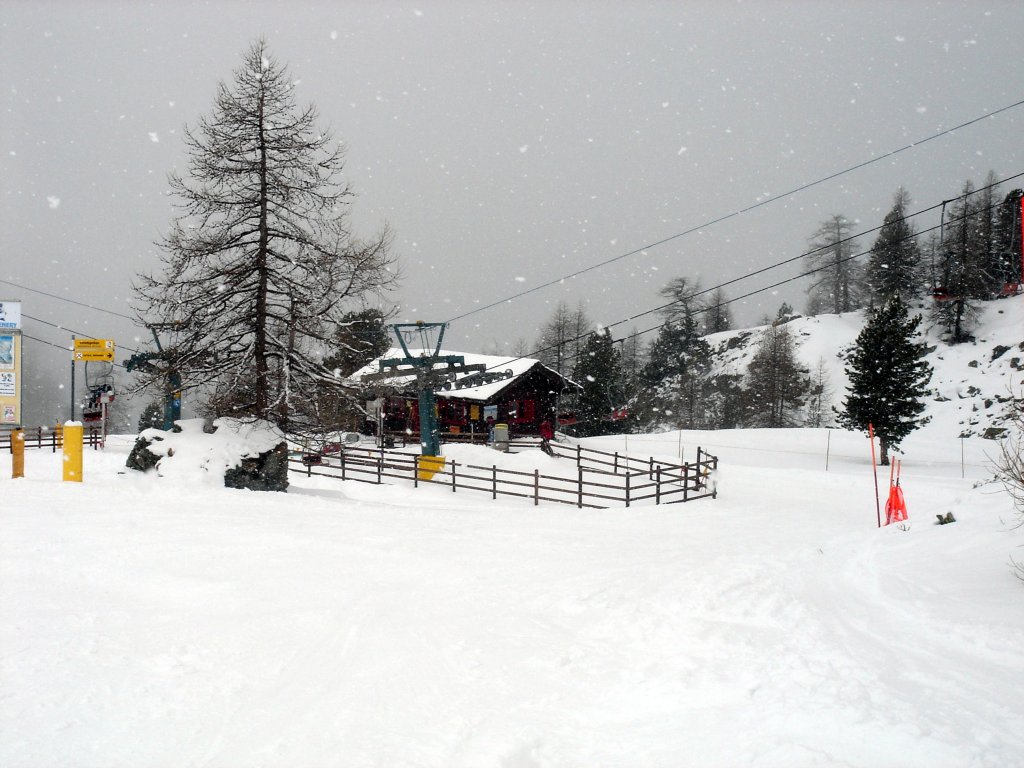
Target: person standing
547 434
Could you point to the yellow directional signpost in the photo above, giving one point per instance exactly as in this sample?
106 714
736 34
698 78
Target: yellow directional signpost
94 350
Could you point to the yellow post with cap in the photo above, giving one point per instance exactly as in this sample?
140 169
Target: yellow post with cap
73 452
18 453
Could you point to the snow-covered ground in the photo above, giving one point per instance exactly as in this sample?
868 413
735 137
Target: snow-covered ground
168 622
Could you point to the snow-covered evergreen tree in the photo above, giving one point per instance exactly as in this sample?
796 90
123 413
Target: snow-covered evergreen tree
599 376
1008 238
895 261
152 416
964 276
678 361
888 377
819 397
777 383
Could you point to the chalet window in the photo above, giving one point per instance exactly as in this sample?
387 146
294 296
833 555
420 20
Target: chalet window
525 411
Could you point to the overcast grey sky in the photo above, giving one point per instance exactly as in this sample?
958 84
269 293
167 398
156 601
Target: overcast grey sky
505 143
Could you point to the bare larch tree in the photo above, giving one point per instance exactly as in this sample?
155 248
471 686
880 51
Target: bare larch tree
260 265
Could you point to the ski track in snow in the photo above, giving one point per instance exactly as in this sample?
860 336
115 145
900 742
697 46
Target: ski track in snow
160 623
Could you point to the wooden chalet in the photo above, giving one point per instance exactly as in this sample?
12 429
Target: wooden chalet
521 393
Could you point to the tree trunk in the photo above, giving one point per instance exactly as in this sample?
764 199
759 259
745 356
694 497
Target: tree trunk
884 444
261 385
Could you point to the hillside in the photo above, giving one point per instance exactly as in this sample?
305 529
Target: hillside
971 383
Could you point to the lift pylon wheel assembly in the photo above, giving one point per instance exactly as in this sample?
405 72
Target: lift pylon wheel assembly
162 363
431 370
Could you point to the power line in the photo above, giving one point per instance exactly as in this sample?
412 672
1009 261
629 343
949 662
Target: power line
69 301
765 269
69 330
57 346
738 212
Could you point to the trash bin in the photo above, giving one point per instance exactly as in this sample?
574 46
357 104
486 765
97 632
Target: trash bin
501 437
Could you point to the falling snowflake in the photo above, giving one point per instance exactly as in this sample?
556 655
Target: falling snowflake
154 137
53 201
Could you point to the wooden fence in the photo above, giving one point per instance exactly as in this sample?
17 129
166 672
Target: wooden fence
49 437
600 479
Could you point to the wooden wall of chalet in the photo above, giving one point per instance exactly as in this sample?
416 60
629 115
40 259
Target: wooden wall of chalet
523 405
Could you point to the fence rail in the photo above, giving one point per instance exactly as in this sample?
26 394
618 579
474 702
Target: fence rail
49 437
594 485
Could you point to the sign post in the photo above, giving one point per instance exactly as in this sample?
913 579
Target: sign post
94 350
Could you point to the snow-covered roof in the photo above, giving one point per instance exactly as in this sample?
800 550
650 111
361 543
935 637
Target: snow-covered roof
500 373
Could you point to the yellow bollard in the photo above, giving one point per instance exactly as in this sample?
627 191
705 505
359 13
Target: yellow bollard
18 453
428 466
73 452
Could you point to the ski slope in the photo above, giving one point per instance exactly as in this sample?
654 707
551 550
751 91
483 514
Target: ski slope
171 622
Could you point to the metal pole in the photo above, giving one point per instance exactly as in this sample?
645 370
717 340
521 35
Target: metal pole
72 377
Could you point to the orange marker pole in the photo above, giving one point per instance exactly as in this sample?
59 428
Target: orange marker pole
874 472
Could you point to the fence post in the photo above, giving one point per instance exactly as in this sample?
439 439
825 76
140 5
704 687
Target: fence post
686 477
616 462
380 466
657 487
453 477
628 476
536 487
579 498
494 482
650 470
341 453
416 471
39 437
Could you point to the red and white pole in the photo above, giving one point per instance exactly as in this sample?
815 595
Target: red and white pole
874 473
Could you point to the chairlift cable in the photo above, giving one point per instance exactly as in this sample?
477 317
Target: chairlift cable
738 212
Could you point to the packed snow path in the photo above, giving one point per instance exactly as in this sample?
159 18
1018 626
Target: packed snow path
160 623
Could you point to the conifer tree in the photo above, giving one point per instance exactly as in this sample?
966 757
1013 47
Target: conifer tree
965 273
678 361
1008 239
888 377
819 396
717 317
599 377
837 285
563 336
895 261
260 265
777 382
